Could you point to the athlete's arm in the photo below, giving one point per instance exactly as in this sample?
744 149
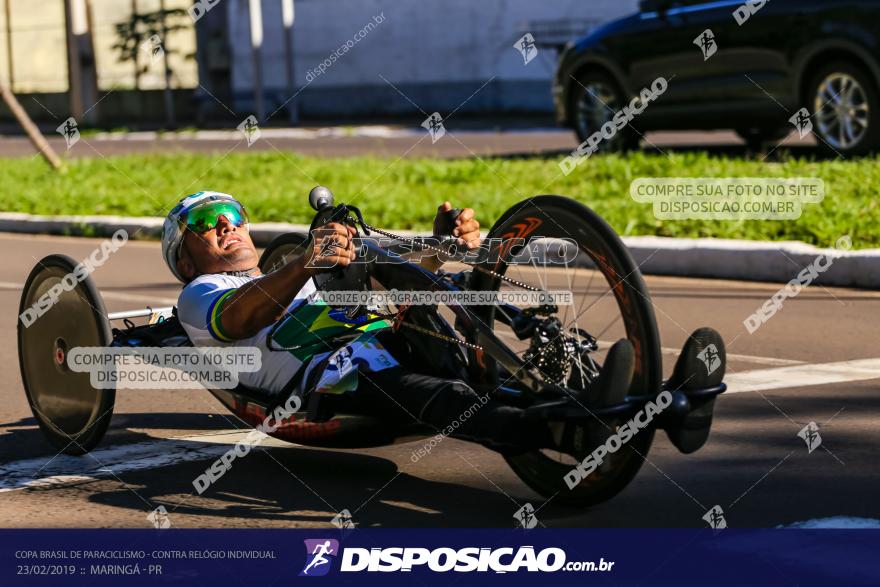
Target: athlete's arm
263 301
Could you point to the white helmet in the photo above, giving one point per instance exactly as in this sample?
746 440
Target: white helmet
174 228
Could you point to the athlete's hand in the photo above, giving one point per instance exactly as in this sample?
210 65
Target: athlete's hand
332 246
467 228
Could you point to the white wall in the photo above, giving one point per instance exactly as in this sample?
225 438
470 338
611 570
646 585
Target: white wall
440 49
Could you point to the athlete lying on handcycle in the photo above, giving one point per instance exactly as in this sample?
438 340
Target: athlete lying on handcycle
497 356
226 300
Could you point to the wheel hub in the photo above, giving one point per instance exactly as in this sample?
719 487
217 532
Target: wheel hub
595 107
841 108
554 352
59 353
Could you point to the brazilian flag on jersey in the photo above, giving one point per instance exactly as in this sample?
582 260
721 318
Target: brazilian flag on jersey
310 328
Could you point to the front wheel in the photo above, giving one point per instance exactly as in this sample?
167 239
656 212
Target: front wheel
283 249
55 318
569 247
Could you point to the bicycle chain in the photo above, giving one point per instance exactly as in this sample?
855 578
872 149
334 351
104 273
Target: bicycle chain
451 339
438 250
443 337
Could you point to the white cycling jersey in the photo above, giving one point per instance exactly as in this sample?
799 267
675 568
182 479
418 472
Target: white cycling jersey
307 324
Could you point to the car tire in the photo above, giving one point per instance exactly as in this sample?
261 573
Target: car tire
860 107
757 138
596 97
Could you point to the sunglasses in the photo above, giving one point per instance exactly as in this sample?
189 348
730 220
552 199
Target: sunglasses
206 217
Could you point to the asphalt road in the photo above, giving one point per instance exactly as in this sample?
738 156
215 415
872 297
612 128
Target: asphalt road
385 141
754 466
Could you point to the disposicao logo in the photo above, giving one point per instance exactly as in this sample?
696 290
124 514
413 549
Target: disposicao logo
320 553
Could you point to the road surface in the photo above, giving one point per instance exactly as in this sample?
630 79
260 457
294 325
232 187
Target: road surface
816 361
386 141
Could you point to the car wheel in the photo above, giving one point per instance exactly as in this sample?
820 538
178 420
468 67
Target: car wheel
595 100
846 109
757 139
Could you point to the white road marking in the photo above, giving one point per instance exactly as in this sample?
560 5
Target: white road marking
606 344
65 470
63 239
804 375
11 285
110 295
152 300
744 358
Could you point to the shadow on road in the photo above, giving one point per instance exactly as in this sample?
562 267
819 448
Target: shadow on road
755 465
23 439
305 486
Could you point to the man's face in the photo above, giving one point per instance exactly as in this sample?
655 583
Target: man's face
222 248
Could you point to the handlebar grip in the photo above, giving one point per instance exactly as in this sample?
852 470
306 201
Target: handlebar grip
447 239
447 222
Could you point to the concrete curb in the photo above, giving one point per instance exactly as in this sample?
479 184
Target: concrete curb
778 262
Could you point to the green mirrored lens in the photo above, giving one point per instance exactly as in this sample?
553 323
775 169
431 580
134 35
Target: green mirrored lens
205 217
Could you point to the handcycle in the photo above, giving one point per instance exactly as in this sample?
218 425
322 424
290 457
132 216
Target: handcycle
537 357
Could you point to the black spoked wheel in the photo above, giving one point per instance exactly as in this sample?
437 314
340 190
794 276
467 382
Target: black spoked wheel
283 249
72 413
571 248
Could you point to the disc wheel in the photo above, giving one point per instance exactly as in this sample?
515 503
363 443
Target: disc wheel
283 249
611 302
72 413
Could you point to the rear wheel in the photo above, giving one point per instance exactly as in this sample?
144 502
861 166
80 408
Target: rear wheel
611 302
71 413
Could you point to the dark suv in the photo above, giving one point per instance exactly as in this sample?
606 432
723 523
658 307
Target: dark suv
747 65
